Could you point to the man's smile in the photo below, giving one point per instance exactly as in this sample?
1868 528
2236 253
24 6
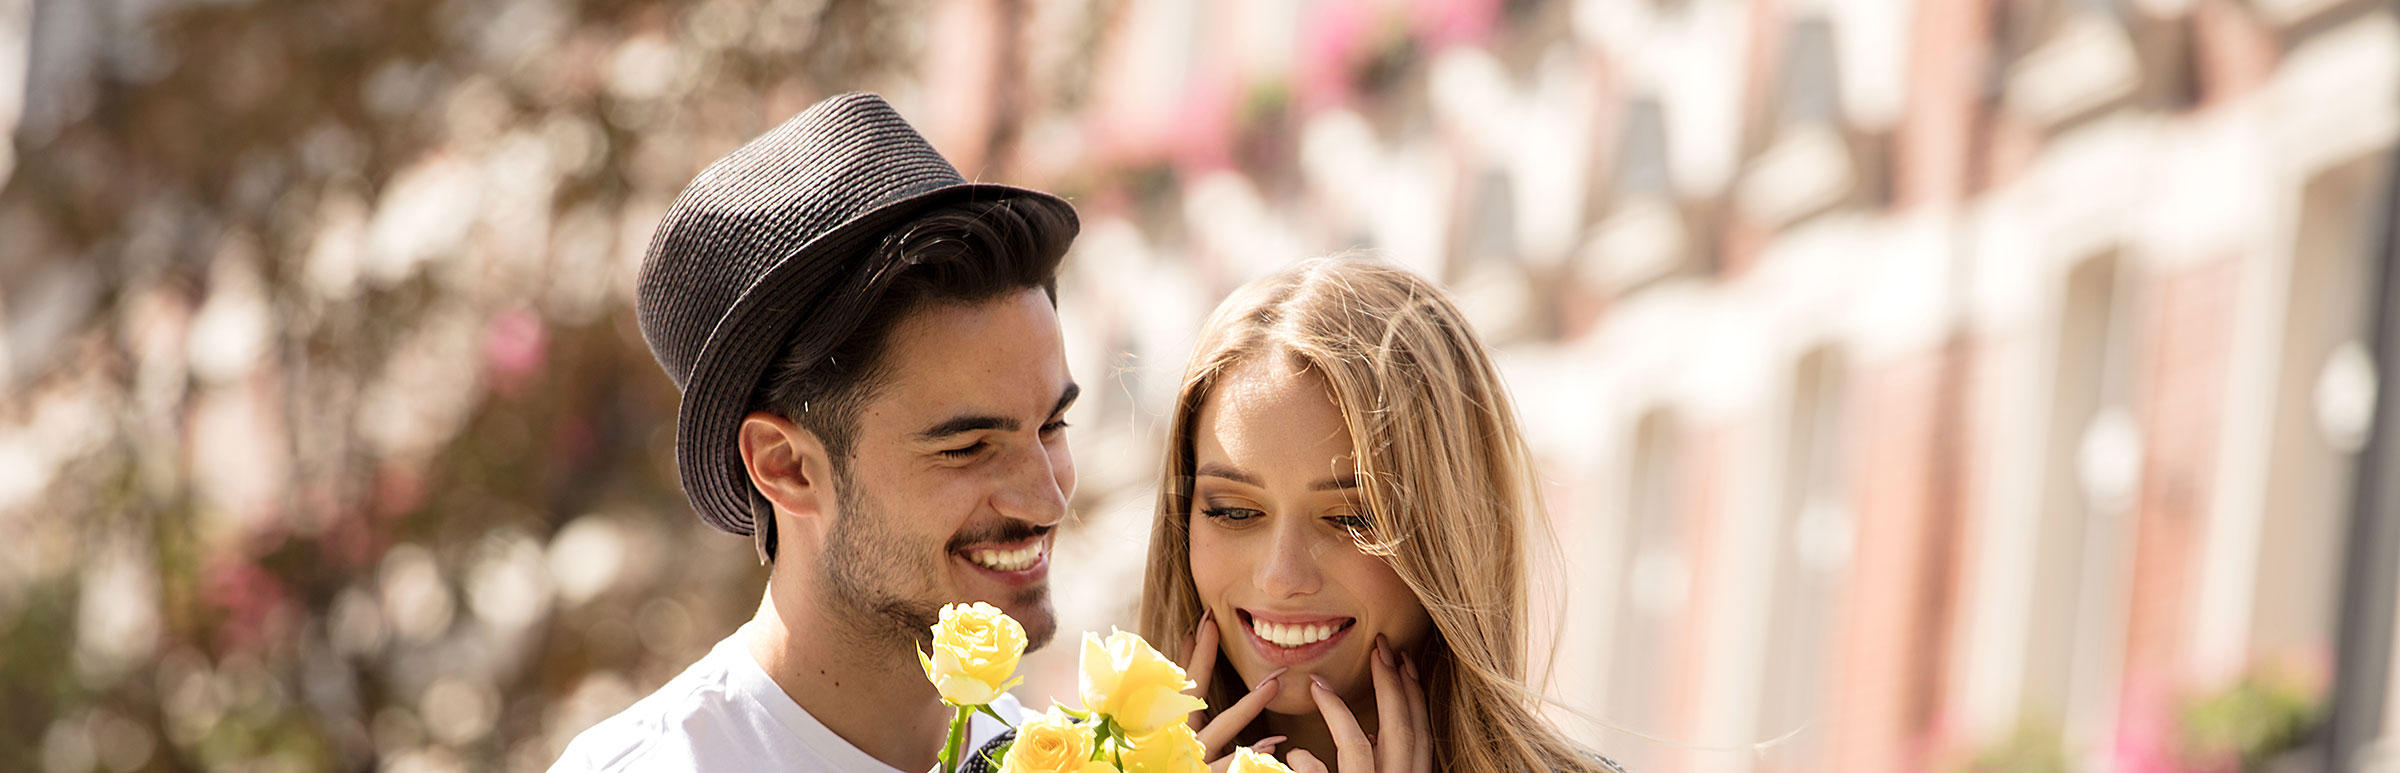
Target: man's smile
1015 563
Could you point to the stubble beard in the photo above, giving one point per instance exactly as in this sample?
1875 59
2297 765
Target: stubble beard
866 571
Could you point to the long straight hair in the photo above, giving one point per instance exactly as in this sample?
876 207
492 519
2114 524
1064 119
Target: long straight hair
1443 470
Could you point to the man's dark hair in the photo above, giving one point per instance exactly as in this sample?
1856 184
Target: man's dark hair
961 253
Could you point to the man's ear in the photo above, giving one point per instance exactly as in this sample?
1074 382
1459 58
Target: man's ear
788 464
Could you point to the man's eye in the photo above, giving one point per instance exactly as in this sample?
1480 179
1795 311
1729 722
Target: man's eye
963 452
1052 428
1235 514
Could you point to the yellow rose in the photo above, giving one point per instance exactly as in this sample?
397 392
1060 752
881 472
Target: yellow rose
1052 743
1247 761
1173 749
1131 683
975 651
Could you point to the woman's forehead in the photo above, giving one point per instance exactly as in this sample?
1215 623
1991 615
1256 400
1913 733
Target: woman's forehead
1271 420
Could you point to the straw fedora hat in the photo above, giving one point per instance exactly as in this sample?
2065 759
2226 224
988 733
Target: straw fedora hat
778 236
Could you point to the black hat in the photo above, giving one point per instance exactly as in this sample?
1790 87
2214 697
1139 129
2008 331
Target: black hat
781 235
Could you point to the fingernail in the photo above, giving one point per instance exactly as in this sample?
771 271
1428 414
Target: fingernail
1383 654
1408 665
1270 678
1319 681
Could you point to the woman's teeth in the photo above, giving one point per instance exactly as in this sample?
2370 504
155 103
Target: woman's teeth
1006 560
1294 635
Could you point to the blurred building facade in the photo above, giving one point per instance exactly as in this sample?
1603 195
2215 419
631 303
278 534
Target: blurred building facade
1948 384
1922 385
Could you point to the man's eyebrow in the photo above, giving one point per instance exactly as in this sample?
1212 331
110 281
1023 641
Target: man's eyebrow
957 425
1067 398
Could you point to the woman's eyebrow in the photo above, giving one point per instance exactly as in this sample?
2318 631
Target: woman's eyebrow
1217 470
1227 472
1337 483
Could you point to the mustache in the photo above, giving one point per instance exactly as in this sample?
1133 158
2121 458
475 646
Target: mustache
1005 531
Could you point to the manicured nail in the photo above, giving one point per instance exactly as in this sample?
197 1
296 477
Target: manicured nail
1319 681
1267 745
1270 678
1383 653
1204 618
1408 665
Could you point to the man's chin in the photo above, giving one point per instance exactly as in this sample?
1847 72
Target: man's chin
1034 613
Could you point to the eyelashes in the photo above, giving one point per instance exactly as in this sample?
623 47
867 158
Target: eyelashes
962 452
1230 514
1236 515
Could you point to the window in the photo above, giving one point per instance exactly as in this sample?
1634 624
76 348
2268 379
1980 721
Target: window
1653 582
1812 558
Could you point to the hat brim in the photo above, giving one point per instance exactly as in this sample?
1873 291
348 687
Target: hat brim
748 338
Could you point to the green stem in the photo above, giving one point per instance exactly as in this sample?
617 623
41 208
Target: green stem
952 750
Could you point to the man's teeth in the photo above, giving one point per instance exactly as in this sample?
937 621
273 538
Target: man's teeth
1006 560
1294 635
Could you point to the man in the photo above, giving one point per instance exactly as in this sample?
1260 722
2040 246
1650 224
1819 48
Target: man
873 383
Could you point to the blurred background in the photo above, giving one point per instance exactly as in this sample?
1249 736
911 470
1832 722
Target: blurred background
1940 385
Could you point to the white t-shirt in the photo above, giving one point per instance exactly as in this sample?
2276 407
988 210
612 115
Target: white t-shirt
725 714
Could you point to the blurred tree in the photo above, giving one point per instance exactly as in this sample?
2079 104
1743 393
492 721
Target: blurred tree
373 464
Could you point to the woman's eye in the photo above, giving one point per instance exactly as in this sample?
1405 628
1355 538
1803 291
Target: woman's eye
964 451
1235 514
1351 522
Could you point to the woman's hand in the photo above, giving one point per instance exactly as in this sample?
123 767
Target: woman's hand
1200 666
1403 742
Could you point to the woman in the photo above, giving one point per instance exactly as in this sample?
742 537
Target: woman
1340 534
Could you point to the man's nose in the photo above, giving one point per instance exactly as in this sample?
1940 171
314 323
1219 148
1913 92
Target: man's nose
1031 490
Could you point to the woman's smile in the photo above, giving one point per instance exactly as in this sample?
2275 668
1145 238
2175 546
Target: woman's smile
1293 640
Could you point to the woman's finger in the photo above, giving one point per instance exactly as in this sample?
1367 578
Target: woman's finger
1229 723
1421 754
1303 762
1351 748
1203 655
1200 664
1394 738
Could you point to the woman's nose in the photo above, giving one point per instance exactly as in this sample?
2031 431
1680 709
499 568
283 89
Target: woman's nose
1289 566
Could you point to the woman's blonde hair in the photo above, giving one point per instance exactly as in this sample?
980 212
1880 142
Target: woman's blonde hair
1443 472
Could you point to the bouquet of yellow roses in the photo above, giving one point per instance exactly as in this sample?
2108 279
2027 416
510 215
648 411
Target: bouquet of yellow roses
1134 702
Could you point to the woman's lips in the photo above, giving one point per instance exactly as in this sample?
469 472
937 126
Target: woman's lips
1291 639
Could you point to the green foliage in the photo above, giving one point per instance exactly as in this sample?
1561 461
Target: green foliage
2267 712
2036 746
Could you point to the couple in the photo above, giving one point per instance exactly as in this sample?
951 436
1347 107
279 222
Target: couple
874 388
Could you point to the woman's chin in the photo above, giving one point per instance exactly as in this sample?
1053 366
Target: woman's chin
1294 703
